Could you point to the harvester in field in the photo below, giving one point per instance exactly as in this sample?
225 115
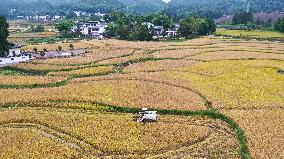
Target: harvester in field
146 116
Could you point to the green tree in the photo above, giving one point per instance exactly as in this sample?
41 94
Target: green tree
111 30
120 27
38 28
4 33
71 15
192 27
162 20
65 26
242 18
279 25
123 31
143 33
94 18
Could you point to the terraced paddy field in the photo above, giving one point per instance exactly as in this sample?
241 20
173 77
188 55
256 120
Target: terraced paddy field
217 98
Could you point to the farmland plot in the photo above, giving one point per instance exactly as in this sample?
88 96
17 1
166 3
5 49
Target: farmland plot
208 92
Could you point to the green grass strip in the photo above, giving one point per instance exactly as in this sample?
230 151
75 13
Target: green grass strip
47 85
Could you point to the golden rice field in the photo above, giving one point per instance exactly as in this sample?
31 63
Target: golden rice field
217 98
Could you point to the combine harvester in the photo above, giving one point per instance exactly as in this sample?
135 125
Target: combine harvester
146 116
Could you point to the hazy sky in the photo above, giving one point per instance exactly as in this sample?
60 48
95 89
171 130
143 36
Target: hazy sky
166 1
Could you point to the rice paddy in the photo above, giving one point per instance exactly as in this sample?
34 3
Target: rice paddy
212 94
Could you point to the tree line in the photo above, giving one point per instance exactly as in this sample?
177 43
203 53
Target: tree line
141 27
245 21
127 27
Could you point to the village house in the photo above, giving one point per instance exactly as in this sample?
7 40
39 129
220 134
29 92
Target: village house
44 18
158 30
81 13
95 29
173 31
161 32
15 55
14 51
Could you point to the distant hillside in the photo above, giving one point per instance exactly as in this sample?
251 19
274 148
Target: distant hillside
177 8
218 8
61 2
33 7
30 7
25 7
144 6
96 6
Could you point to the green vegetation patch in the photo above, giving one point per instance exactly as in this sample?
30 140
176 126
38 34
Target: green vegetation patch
252 34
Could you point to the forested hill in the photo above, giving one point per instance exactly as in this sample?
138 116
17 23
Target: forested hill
33 7
144 6
177 8
29 7
218 8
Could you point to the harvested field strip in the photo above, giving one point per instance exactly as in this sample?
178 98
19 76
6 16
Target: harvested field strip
92 71
174 70
45 71
119 66
188 48
49 85
55 84
87 64
124 64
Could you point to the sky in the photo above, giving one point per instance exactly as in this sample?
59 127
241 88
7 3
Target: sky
166 1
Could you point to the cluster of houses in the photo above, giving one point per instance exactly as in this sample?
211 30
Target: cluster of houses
96 29
16 55
86 14
49 18
161 31
42 18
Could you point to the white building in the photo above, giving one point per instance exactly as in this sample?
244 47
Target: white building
94 29
13 60
81 13
173 31
158 30
149 24
14 51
